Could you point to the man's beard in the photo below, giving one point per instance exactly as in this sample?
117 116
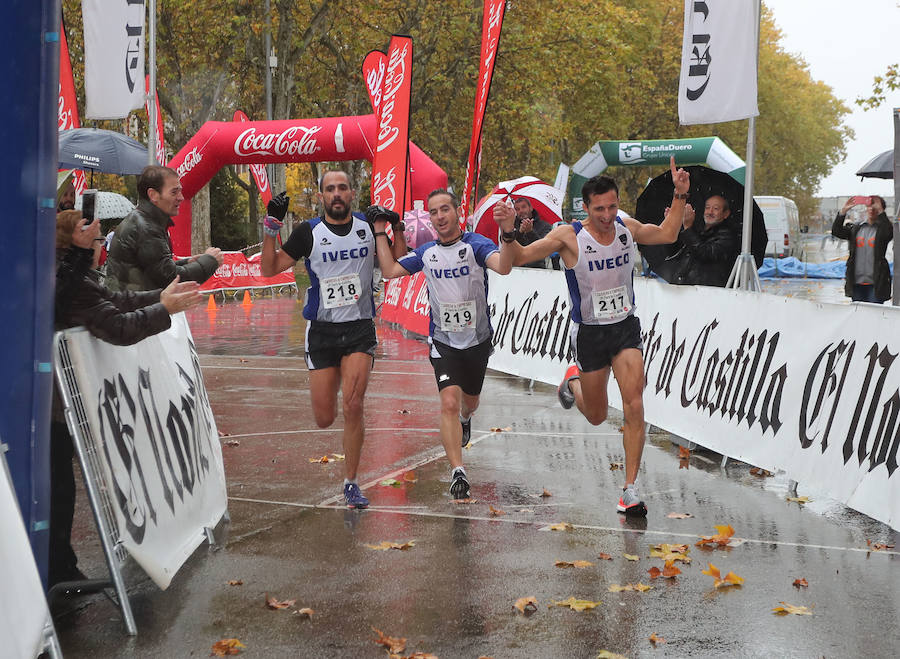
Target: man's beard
66 206
338 214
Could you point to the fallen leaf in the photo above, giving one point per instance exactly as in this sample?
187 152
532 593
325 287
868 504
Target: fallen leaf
224 434
878 546
561 526
679 515
631 587
799 499
730 579
573 564
758 471
604 557
391 482
236 582
232 442
402 411
410 477
323 459
622 429
683 452
786 609
720 539
606 654
613 466
507 429
527 605
226 646
275 604
669 552
545 493
576 604
632 557
798 583
415 655
394 645
464 501
669 571
656 639
496 512
385 545
654 572
304 613
244 361
337 456
684 463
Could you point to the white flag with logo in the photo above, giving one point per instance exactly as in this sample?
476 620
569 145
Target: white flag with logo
718 61
113 57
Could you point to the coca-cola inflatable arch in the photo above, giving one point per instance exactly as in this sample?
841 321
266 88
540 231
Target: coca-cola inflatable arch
221 143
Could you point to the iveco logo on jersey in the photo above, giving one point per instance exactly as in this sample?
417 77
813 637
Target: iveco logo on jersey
345 254
609 264
451 273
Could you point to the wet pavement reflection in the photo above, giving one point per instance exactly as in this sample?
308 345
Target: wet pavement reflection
452 592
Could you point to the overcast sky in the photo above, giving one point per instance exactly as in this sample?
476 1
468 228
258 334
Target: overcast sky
846 44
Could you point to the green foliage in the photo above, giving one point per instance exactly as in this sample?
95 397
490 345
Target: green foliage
229 229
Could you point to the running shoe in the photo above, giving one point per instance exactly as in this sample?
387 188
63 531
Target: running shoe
353 497
459 486
467 431
630 503
566 397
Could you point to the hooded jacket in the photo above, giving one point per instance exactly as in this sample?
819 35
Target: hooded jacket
884 233
140 256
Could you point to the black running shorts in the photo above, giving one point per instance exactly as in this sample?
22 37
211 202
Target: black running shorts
464 368
596 345
328 343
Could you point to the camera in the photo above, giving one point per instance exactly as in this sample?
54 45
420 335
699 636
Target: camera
88 205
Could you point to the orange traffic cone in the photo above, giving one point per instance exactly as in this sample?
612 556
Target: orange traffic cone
247 301
211 305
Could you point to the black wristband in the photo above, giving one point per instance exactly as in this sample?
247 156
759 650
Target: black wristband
681 195
508 236
381 233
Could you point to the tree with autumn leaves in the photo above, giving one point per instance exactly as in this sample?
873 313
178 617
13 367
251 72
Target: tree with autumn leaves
567 75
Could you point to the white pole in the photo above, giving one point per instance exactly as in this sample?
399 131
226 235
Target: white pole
151 92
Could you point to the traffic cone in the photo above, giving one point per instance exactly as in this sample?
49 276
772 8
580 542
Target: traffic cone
247 301
211 305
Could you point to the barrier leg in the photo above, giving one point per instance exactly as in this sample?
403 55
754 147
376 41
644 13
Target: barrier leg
724 461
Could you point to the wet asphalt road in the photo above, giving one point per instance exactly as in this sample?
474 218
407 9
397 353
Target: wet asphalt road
452 592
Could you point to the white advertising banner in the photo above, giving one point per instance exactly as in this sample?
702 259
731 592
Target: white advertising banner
148 412
23 608
718 61
780 383
114 32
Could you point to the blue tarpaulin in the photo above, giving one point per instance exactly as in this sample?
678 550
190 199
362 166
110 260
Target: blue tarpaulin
792 267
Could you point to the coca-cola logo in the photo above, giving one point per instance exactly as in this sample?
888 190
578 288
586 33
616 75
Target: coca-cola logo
393 81
383 192
422 306
374 82
296 140
260 176
191 160
66 119
392 297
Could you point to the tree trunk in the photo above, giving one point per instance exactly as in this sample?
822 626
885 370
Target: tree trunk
200 221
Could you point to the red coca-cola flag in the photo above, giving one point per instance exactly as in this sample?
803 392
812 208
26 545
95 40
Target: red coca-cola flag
390 162
68 102
492 22
258 171
160 138
373 68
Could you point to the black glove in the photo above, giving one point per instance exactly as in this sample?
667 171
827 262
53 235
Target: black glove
377 212
278 206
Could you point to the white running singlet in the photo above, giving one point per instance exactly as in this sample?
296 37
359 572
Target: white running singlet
600 284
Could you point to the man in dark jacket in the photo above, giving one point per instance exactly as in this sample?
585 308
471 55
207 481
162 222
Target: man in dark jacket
140 256
711 247
529 228
120 318
868 273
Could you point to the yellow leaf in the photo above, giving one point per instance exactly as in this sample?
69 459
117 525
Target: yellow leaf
545 493
656 639
226 646
642 587
275 604
337 456
606 654
561 526
496 512
799 499
507 429
679 515
323 459
304 613
527 605
573 564
393 645
786 609
576 604
385 545
632 557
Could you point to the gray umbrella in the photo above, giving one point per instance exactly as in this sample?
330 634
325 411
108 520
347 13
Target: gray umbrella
108 205
881 166
99 150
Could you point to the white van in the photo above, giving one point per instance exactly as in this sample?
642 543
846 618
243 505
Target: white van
782 225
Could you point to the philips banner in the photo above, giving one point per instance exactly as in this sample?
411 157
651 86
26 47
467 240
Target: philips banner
491 25
740 373
113 57
148 416
718 61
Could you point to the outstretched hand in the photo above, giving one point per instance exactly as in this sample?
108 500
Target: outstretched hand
278 206
376 213
505 216
680 178
179 295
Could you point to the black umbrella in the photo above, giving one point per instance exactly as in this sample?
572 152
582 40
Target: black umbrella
665 260
881 166
100 150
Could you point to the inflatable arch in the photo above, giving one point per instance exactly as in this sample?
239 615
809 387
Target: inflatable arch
221 143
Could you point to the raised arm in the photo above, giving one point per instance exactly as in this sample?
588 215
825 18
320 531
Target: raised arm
539 249
667 232
273 261
502 262
380 217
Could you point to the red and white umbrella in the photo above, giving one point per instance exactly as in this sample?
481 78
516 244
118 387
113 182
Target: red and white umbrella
419 229
544 198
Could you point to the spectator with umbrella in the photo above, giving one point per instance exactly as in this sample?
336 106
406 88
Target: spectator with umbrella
711 246
530 227
868 273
